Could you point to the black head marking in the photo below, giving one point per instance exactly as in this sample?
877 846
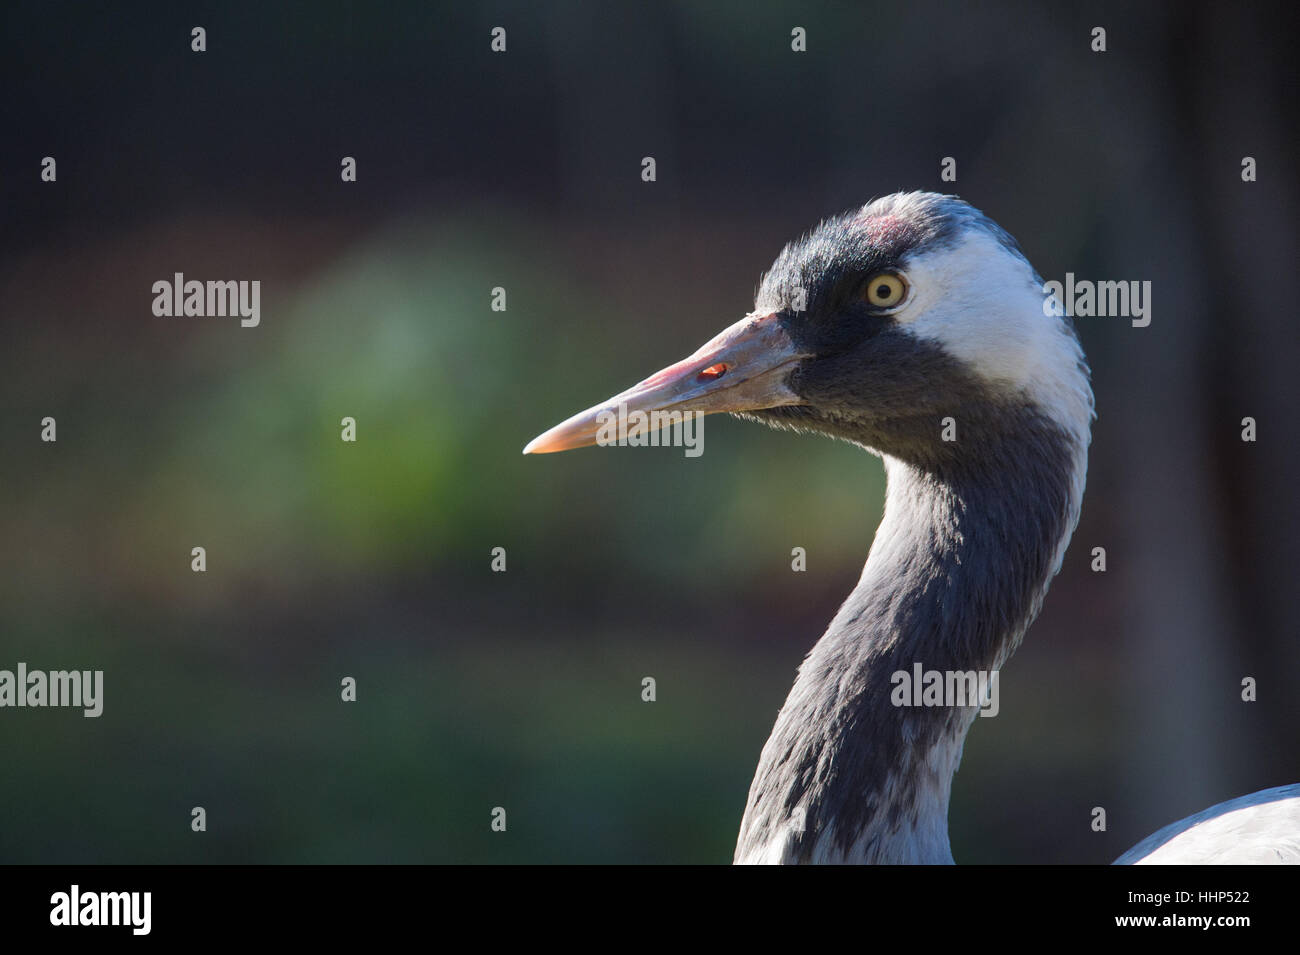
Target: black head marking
819 270
870 380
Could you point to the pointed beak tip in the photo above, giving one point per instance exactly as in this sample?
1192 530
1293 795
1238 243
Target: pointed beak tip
743 368
544 443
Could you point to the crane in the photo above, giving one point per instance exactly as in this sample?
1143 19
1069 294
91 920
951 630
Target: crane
915 328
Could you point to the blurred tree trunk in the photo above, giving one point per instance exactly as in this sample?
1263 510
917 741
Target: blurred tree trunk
1209 537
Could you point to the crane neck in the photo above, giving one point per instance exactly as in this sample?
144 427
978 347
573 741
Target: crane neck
860 763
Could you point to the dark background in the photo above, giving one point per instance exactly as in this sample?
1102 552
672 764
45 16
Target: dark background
522 170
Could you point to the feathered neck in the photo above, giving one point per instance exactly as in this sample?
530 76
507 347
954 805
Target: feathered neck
958 570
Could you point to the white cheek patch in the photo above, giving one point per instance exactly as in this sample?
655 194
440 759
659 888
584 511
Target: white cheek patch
980 302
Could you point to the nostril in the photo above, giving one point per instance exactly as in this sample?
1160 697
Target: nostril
712 372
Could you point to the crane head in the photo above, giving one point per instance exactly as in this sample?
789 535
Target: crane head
874 327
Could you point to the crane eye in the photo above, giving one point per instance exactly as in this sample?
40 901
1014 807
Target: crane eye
885 290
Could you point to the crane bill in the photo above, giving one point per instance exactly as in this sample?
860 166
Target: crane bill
745 368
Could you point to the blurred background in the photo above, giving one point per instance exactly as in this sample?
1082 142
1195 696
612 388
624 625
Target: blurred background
522 170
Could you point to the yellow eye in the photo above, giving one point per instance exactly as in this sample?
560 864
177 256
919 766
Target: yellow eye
885 290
